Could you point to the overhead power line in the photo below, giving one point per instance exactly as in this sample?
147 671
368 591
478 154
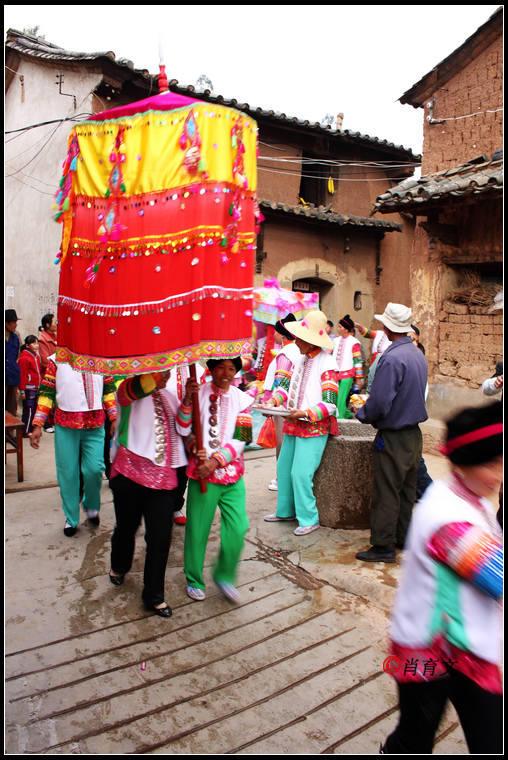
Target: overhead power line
45 123
323 176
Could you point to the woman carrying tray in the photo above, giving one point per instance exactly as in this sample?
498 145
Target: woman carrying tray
310 395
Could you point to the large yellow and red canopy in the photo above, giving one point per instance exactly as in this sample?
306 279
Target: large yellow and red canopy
159 213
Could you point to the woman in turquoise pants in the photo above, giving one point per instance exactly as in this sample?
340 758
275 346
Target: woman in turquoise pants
310 395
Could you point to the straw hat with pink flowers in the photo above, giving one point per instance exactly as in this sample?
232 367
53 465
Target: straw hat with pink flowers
312 329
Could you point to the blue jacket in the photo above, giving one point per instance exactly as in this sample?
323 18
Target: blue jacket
12 346
397 396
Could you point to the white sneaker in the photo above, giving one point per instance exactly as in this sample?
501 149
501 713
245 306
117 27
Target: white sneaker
274 518
307 529
229 591
196 594
50 430
272 486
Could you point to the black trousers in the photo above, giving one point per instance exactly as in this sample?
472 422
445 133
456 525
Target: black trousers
422 706
107 446
397 455
179 498
423 479
133 502
29 409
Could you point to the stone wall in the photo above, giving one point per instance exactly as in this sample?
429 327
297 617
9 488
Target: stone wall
470 344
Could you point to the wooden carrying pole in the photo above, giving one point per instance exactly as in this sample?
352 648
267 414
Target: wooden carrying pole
196 421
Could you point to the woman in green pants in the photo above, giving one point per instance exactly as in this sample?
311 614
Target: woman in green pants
227 427
347 353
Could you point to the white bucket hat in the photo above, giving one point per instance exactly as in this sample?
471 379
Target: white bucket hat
312 329
396 317
498 302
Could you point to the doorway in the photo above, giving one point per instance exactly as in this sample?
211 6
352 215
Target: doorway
313 285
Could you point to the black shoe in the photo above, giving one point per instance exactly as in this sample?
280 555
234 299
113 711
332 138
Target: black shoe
116 580
95 521
70 531
164 612
377 554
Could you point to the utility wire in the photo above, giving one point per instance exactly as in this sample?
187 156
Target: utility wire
38 152
339 163
437 119
27 184
41 181
322 176
30 147
52 121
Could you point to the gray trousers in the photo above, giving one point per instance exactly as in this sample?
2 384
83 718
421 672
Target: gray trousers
397 454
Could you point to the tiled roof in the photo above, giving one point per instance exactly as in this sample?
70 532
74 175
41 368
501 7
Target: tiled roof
448 67
36 47
345 135
478 177
39 48
323 214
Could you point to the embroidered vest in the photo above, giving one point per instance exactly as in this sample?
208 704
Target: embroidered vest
305 390
343 355
78 391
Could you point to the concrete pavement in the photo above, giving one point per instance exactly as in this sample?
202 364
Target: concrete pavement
296 668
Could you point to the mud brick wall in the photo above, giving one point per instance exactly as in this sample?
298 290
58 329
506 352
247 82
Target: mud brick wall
475 89
470 344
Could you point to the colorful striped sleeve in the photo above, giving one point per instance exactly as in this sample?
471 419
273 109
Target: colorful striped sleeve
472 553
134 388
109 398
327 407
358 361
227 454
47 395
365 333
283 371
243 427
184 419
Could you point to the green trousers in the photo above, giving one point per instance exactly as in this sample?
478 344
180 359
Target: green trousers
201 508
71 448
345 386
298 461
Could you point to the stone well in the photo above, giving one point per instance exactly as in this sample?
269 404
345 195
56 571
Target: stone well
343 482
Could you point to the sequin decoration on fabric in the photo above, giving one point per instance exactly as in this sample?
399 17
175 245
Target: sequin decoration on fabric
161 236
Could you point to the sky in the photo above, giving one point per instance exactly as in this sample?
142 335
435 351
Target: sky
305 61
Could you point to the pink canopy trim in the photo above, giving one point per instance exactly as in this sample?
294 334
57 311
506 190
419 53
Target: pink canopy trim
166 101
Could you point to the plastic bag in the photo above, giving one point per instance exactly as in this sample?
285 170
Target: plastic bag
267 437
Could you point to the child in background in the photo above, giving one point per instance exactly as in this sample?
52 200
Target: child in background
30 379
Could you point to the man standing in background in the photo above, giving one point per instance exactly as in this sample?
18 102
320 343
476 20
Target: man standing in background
395 407
12 373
